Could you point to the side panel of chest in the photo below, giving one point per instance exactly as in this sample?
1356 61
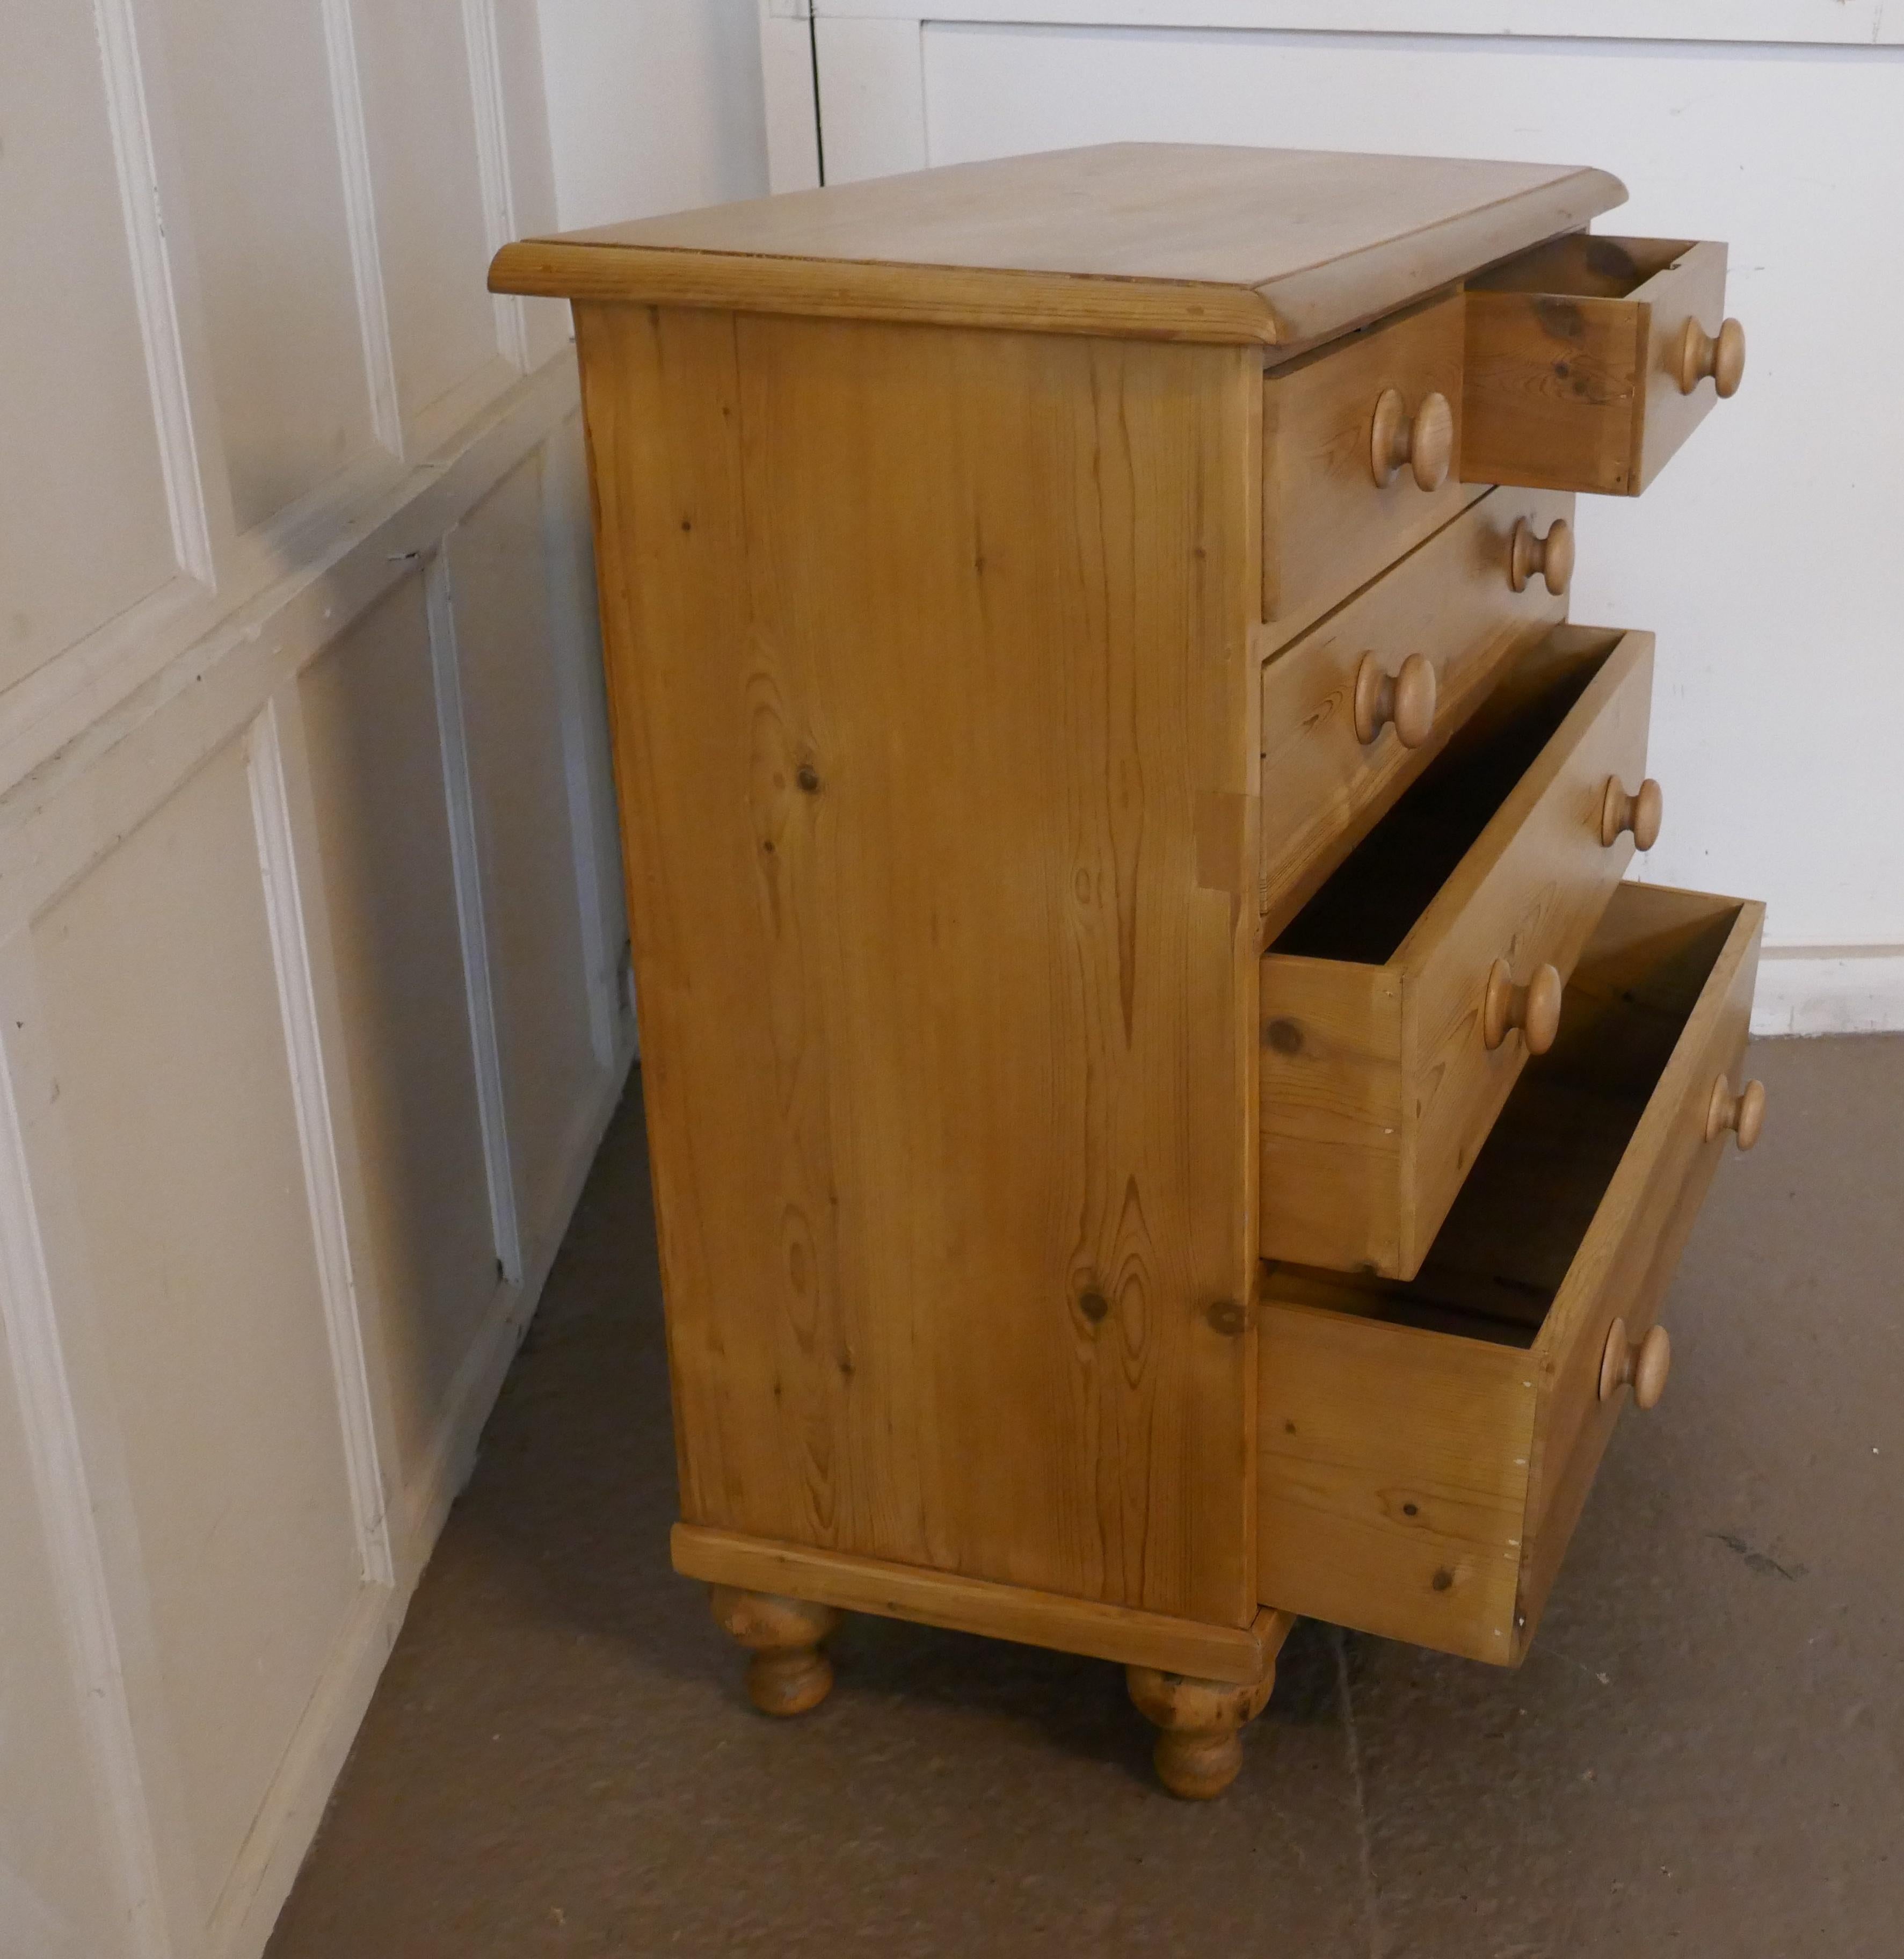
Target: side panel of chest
933 717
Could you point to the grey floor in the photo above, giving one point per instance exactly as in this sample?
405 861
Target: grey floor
1704 1755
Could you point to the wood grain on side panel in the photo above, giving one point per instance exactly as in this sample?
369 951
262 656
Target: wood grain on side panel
930 679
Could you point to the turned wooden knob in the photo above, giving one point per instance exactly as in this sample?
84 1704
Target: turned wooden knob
1723 357
1640 813
1425 443
787 1673
1407 699
1551 556
1642 1367
1534 1008
1743 1113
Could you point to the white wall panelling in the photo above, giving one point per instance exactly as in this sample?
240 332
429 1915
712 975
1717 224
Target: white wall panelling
589 767
480 994
360 216
323 1192
873 117
1761 556
493 172
1841 23
150 259
263 842
791 125
80 1601
653 107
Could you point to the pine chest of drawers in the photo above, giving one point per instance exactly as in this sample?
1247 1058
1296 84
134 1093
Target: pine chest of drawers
1164 1115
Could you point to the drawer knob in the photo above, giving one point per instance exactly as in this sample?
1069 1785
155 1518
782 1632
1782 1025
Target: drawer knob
1407 699
1722 357
1426 444
1534 1008
1640 813
1743 1113
1551 556
1643 1367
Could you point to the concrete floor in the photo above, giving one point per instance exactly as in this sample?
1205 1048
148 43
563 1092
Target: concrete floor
1703 1756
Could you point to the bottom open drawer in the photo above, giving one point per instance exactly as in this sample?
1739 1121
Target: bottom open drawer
1425 1447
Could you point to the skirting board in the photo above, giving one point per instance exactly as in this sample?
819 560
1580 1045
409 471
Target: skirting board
1829 989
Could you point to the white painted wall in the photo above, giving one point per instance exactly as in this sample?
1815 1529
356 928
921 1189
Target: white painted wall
1763 557
311 1003
654 105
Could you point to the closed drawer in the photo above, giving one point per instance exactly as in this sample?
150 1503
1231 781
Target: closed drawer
1338 504
1589 360
1387 1004
1453 602
1425 1448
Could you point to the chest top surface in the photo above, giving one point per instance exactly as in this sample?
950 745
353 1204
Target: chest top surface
1171 241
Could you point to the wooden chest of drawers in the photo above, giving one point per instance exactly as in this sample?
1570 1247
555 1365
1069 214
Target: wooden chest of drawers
1164 1115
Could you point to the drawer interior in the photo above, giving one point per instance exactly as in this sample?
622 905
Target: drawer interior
1365 911
1500 1257
1581 265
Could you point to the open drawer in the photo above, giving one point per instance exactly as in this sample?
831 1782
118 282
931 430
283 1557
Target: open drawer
1590 359
1424 1449
1397 1006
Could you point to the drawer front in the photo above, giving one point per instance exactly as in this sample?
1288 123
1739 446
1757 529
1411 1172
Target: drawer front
1453 602
1654 935
1424 1449
1391 1469
1331 522
1379 1076
1572 376
1529 894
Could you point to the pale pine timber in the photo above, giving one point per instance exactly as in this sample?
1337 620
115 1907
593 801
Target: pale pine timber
1164 241
1239 1654
933 709
1425 1447
1576 359
1371 1119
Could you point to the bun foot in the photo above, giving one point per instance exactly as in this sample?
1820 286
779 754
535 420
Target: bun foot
1200 1745
789 1673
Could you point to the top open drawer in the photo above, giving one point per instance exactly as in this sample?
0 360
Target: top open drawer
1590 359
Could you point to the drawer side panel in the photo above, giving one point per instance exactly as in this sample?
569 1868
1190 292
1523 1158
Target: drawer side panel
1331 1075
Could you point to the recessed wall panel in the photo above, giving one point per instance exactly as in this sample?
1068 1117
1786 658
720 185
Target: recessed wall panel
251 89
518 767
383 833
84 527
420 118
175 1099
